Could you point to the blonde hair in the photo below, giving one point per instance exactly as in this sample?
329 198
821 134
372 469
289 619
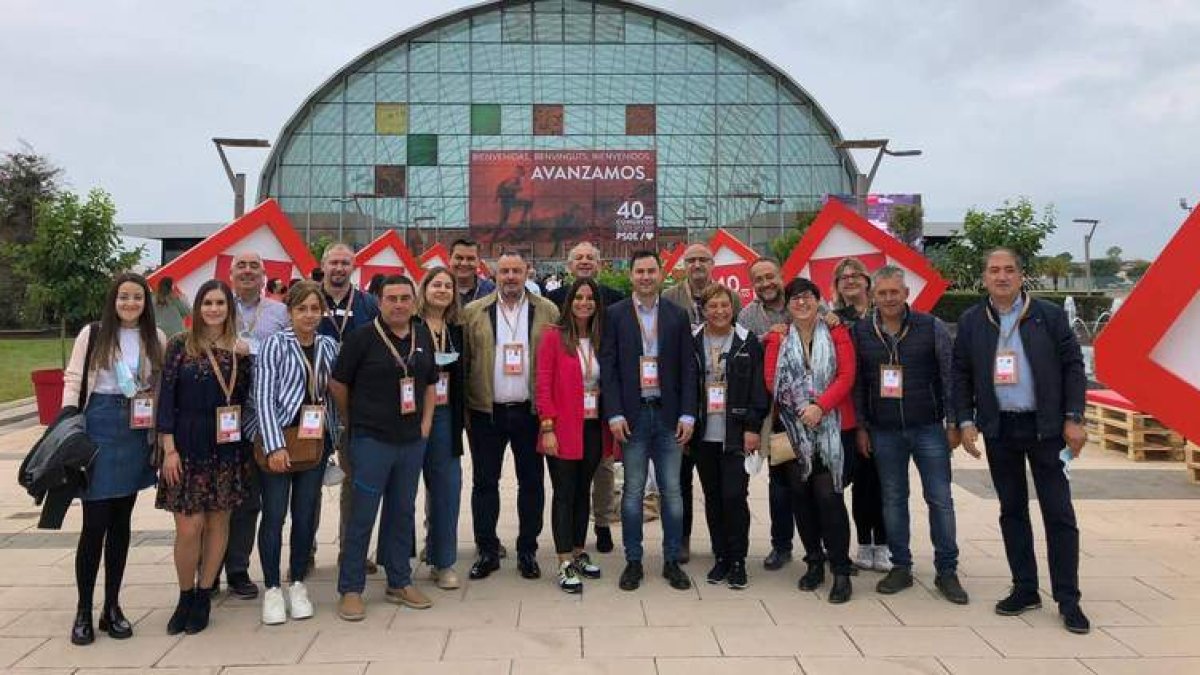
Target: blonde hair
843 265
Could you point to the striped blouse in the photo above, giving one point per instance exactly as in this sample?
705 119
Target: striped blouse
280 381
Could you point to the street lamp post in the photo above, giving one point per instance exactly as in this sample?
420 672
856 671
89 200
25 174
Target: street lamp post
424 219
237 180
775 201
1087 248
862 182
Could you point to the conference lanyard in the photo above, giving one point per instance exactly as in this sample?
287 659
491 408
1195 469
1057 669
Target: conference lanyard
229 416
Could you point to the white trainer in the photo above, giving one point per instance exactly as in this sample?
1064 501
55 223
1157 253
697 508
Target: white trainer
301 606
274 607
865 559
883 559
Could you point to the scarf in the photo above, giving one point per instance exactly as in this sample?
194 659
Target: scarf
799 383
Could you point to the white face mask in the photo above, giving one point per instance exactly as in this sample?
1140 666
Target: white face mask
753 463
445 358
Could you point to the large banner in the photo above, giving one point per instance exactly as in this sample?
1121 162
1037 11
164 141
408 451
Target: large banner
555 195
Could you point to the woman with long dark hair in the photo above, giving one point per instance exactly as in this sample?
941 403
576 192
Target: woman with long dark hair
572 438
127 357
437 307
810 370
203 419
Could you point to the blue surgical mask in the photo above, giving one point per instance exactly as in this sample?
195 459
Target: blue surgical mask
445 358
125 380
1065 456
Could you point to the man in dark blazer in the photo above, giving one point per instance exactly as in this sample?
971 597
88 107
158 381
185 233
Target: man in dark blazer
650 404
1019 381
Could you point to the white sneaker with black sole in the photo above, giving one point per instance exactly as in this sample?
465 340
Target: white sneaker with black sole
568 578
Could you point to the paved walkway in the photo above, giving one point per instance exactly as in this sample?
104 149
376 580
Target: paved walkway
1140 577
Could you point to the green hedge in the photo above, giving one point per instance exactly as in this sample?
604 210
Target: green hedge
954 303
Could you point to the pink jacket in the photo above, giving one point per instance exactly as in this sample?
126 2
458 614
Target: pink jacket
560 396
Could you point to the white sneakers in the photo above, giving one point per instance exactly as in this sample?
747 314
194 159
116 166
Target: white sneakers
874 557
865 559
883 559
275 606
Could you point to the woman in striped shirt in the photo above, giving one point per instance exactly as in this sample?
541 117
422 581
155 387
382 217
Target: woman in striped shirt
291 374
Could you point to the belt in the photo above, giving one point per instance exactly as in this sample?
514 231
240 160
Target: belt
1018 414
652 400
518 404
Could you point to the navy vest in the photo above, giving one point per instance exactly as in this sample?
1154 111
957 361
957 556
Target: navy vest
922 403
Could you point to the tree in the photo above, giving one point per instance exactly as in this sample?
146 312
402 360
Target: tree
317 247
1114 253
907 222
1017 226
781 246
25 179
1137 269
1056 268
74 254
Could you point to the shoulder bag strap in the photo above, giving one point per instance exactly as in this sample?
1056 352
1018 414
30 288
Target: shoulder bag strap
87 364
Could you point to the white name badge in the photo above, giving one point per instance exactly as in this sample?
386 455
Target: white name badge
141 411
514 359
408 396
591 404
312 422
716 398
649 370
891 381
229 424
443 389
1006 367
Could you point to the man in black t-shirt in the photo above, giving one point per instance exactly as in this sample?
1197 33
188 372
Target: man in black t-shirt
384 385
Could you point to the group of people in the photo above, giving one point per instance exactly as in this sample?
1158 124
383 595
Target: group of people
236 418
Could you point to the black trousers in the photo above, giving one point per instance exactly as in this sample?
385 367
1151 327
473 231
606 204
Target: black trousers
867 501
785 522
243 529
1006 455
726 490
687 466
489 434
106 529
570 505
822 515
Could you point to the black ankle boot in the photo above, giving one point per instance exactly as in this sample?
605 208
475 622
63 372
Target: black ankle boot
197 619
81 631
813 578
113 622
841 590
179 618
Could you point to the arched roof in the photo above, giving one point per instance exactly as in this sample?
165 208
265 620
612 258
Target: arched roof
466 13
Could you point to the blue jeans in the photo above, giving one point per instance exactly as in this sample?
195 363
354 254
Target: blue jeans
443 487
651 441
927 446
279 490
389 473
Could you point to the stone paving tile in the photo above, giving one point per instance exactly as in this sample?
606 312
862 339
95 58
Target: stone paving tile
460 614
746 612
923 610
1126 588
1143 666
919 641
729 666
842 665
1015 666
784 641
1159 640
212 648
1178 588
7 616
504 643
496 667
13 649
1167 612
1099 612
609 611
809 610
56 623
147 671
1029 642
619 641
300 669
376 645
590 666
143 652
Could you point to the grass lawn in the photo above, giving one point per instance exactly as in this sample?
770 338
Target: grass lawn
18 358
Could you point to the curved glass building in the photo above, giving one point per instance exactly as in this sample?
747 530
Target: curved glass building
537 123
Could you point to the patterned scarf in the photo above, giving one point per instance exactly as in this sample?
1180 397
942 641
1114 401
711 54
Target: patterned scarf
798 383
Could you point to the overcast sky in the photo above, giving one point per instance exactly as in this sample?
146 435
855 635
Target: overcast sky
1092 105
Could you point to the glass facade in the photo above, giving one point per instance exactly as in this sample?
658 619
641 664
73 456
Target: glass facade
737 144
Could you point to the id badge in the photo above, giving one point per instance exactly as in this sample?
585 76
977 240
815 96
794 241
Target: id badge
514 358
591 404
891 381
443 388
141 411
408 396
312 422
229 424
1006 367
716 398
649 370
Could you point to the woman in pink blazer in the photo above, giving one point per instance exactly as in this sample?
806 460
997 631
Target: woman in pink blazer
572 437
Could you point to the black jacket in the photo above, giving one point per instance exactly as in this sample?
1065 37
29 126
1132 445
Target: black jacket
746 398
620 362
1054 357
924 354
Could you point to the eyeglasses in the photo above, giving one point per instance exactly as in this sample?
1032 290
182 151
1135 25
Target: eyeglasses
804 296
849 277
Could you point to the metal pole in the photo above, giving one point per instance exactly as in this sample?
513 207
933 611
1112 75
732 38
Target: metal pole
1087 259
239 195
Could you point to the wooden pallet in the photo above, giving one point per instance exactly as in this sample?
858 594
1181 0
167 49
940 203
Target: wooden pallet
1138 435
1193 461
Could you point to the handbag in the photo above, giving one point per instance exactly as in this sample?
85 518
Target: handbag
779 446
305 453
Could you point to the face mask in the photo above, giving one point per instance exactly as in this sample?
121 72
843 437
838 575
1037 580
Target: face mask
125 381
753 463
445 358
